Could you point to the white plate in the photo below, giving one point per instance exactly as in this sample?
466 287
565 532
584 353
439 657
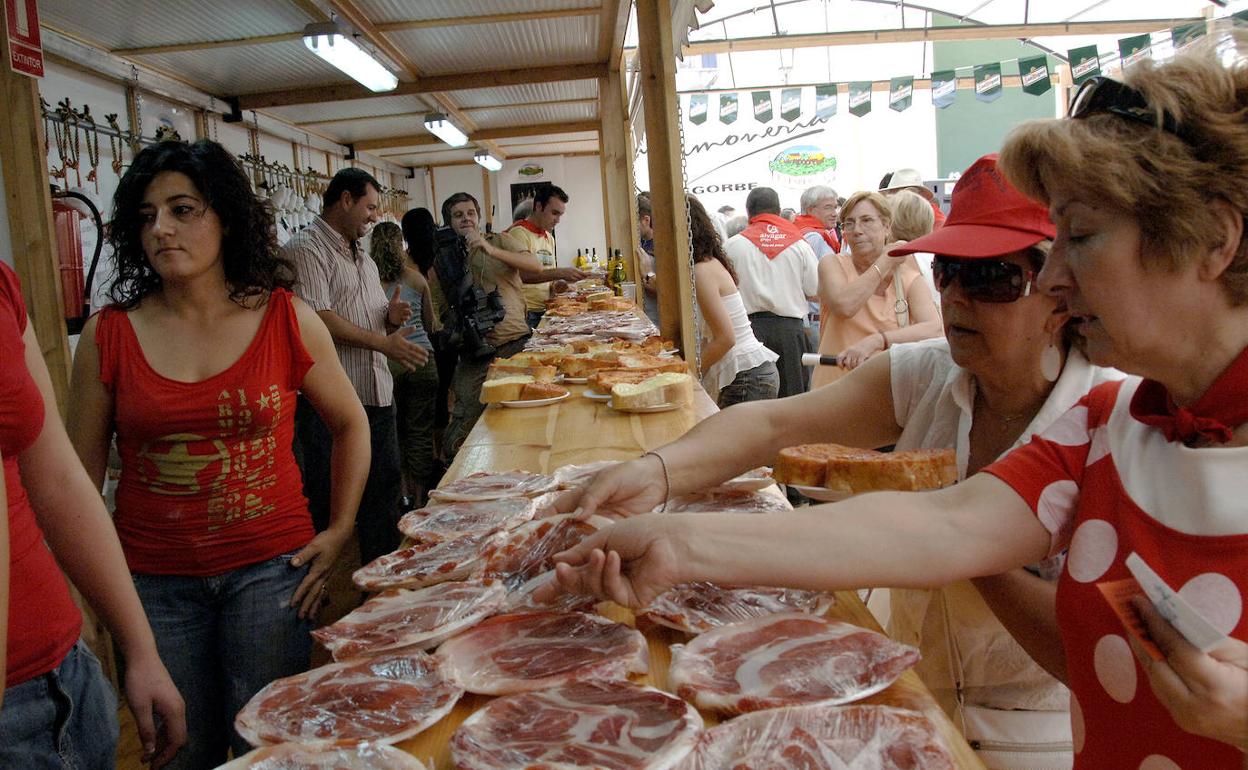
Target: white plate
749 483
646 409
666 353
593 395
533 402
575 380
822 494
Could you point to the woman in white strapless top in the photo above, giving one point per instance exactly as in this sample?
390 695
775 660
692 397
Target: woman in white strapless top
736 367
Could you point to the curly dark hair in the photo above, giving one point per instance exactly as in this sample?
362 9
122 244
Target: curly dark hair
253 265
705 238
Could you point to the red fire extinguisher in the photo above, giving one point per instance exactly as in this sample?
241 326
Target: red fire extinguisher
75 287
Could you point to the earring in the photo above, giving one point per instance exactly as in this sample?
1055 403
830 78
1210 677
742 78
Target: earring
1051 363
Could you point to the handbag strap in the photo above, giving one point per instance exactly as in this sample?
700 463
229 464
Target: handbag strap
900 305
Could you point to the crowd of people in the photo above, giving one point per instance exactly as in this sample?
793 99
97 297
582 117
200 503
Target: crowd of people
1080 340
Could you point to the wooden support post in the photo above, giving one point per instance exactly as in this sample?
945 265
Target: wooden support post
667 177
616 159
31 233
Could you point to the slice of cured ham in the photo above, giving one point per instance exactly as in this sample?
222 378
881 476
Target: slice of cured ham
494 486
785 660
577 476
438 522
696 608
374 700
526 552
401 618
822 738
292 756
425 563
521 599
533 651
720 500
605 725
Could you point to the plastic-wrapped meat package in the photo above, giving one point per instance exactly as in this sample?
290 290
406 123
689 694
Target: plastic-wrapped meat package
577 476
371 700
438 522
605 725
786 660
398 619
519 653
525 553
484 485
696 608
521 599
293 756
425 563
822 738
720 500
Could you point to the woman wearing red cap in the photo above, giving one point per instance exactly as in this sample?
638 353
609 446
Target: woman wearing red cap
1006 372
1150 258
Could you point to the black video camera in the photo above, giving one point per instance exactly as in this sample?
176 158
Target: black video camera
471 312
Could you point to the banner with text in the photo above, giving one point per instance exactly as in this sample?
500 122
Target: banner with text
1084 63
900 93
988 82
1135 48
697 109
825 100
762 106
1034 72
860 97
790 103
727 108
944 88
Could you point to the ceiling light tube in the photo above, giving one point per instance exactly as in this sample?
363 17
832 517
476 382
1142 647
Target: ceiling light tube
328 42
445 130
488 161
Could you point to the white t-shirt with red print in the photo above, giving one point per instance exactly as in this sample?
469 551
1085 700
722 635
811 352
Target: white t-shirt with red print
1106 485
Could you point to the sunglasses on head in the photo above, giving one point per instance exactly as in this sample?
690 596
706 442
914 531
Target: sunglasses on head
984 280
1101 94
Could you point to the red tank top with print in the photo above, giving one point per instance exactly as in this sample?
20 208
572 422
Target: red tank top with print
208 477
43 621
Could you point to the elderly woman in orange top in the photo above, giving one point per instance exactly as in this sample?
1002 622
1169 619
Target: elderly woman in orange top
869 300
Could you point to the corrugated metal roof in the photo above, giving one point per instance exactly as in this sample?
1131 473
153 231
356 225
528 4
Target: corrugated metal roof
356 130
562 148
142 23
355 108
576 136
477 47
533 92
244 69
381 11
524 116
421 158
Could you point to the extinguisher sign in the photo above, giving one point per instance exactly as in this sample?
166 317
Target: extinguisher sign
25 48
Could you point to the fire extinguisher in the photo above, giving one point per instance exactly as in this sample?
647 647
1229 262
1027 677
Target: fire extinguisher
75 289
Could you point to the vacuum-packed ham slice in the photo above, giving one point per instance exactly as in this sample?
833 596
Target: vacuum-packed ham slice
398 619
822 738
438 522
293 756
425 563
604 725
696 608
494 486
521 599
371 700
785 660
525 553
720 500
533 651
577 476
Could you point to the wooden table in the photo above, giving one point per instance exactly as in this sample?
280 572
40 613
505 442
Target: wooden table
578 430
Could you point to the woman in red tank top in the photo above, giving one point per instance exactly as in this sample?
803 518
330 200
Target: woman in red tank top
195 370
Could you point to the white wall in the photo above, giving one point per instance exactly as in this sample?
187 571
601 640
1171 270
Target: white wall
448 180
583 226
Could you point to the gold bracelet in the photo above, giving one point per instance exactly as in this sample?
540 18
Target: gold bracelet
878 270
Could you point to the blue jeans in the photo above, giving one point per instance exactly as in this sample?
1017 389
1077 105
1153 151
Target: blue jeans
223 638
65 719
761 382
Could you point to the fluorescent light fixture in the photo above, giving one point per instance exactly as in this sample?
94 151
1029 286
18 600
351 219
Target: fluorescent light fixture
445 130
488 161
328 42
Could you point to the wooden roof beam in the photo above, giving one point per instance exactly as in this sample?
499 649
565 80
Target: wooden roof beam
615 28
931 34
422 113
425 84
206 45
492 18
480 135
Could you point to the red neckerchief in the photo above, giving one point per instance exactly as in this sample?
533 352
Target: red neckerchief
1214 415
809 224
527 225
772 234
938 216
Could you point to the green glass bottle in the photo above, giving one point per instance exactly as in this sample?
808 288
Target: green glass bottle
617 274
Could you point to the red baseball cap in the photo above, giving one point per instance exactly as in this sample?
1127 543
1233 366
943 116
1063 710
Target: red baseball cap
987 218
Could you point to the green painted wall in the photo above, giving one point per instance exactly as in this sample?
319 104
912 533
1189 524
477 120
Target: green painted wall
970 128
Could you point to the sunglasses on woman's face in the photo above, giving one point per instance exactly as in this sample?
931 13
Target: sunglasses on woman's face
984 280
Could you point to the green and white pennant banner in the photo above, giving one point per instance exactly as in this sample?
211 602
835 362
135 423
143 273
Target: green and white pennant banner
944 88
1135 48
790 104
762 106
1084 63
1034 72
825 101
988 82
900 93
697 109
860 97
727 108
1184 36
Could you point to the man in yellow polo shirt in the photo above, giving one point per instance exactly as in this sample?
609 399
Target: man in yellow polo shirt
533 231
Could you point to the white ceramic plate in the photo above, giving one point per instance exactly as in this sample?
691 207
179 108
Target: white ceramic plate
822 494
593 395
750 482
534 402
646 409
575 380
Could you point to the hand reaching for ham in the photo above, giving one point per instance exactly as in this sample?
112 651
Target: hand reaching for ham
319 554
630 562
1205 693
624 489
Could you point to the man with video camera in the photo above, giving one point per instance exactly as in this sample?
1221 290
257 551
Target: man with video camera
481 276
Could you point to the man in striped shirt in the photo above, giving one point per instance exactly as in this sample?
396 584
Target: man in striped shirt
341 284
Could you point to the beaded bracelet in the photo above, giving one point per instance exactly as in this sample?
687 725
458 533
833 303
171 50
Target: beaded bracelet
667 483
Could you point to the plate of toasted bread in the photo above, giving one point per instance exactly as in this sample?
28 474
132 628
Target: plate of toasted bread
648 409
527 403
